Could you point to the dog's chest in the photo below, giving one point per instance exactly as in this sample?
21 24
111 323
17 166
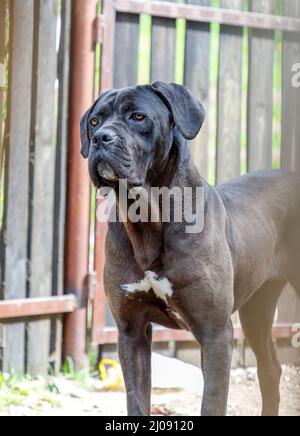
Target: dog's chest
163 291
161 286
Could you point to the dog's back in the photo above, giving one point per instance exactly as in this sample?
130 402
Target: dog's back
273 199
274 193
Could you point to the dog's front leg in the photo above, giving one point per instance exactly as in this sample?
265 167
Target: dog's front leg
217 349
135 357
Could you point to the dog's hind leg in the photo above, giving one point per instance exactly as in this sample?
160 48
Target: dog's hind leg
257 318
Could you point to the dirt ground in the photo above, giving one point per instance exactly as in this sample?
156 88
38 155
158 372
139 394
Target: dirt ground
74 400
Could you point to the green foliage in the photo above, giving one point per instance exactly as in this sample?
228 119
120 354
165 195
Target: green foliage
19 391
13 390
70 373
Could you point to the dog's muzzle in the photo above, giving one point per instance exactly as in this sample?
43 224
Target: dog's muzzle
106 171
101 172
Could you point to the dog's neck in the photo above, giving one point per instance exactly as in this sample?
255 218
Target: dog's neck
178 170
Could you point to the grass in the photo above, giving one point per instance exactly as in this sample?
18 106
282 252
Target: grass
70 373
34 393
16 391
11 391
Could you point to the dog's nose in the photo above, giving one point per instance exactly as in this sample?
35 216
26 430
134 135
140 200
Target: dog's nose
104 137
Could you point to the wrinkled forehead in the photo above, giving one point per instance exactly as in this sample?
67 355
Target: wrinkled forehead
140 98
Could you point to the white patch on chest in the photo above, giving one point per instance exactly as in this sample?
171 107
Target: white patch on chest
161 287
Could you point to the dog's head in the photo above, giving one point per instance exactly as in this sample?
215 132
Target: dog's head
129 132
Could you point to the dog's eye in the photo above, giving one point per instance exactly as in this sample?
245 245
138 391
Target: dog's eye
94 122
138 117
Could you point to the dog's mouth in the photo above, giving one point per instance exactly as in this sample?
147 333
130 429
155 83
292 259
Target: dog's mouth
105 175
106 172
102 173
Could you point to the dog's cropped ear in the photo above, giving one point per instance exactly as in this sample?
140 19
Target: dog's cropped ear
84 134
188 113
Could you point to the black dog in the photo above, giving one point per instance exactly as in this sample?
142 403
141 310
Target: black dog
157 273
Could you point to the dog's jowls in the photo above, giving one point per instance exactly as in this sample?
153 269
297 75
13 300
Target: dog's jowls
157 273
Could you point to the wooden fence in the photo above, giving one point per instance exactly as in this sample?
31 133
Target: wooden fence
225 55
32 235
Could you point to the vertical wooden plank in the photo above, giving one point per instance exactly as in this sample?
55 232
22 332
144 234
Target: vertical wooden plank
61 173
2 55
289 306
229 98
43 182
17 175
197 78
2 48
163 49
260 91
229 101
126 50
290 94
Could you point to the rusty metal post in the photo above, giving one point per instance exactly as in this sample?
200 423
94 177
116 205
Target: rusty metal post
78 202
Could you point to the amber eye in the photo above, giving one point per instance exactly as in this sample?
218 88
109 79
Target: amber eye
138 117
94 122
